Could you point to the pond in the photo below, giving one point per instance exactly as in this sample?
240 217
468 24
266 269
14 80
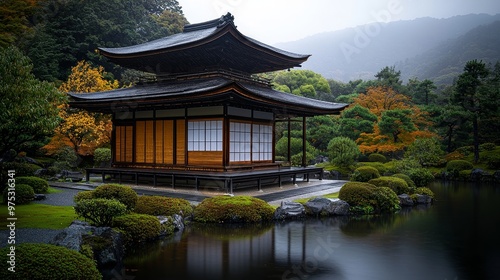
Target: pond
458 237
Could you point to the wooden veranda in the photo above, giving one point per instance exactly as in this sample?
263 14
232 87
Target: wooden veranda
227 181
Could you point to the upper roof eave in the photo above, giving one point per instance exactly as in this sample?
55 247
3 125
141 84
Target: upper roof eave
190 90
197 35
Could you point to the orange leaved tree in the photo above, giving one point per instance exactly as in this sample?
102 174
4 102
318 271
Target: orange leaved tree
399 122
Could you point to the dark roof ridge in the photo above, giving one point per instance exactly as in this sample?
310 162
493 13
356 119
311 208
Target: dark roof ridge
219 22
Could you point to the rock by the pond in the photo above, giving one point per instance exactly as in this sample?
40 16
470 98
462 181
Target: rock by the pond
423 199
317 205
327 207
109 250
175 220
338 208
477 174
289 210
405 200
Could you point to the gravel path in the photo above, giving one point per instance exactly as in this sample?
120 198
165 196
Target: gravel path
37 235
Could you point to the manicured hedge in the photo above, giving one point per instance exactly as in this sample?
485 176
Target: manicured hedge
455 166
422 177
387 200
124 194
364 174
407 179
83 195
164 206
424 190
237 209
24 194
375 157
398 185
39 185
44 261
100 211
138 227
357 193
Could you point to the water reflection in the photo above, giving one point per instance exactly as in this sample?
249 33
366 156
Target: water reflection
456 238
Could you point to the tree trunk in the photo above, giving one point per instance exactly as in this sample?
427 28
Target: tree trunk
476 138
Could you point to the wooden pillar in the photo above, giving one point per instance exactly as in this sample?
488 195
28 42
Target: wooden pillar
304 160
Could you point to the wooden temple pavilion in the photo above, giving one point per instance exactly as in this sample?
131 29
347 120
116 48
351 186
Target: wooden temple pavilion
206 117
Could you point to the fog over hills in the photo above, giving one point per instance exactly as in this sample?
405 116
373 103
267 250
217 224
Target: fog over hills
421 48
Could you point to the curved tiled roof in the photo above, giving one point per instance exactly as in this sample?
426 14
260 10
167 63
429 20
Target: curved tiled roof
175 94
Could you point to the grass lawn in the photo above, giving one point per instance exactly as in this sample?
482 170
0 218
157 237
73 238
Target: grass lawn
330 195
36 215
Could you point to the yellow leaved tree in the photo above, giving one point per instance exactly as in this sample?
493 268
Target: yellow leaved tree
82 130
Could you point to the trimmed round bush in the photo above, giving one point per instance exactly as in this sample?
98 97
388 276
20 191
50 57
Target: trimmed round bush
398 185
164 206
375 157
377 165
138 227
424 190
455 166
23 194
100 211
237 209
45 261
102 155
492 160
364 174
83 195
420 176
124 194
407 179
357 193
39 185
487 147
387 200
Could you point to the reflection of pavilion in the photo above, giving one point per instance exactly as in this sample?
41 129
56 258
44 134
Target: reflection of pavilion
206 117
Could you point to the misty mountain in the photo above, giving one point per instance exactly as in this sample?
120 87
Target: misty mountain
360 52
445 62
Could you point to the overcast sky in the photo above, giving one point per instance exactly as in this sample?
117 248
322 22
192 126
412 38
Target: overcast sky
275 21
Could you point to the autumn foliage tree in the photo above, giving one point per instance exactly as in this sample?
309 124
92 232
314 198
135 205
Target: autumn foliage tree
80 129
398 124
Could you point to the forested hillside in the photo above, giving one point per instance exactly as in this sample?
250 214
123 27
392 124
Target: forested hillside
445 62
358 53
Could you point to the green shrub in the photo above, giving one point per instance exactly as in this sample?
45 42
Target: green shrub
453 167
420 176
424 190
407 179
100 211
375 157
124 194
138 227
364 174
83 195
21 168
398 185
357 193
387 200
160 205
343 151
237 209
45 261
487 147
377 165
39 185
102 155
492 160
402 166
22 193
